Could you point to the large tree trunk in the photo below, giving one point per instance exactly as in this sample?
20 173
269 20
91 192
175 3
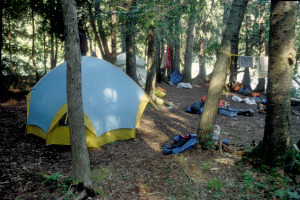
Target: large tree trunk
188 59
81 171
151 68
33 48
282 55
130 44
219 74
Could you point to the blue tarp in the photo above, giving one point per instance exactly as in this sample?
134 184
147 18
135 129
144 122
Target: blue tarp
175 77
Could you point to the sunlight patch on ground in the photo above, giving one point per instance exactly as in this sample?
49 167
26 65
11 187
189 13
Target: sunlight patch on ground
191 168
155 137
227 161
176 117
146 193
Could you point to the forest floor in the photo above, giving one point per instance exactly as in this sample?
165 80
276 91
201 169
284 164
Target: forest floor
137 168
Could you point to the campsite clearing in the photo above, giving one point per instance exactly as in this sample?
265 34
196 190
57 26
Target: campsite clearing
136 168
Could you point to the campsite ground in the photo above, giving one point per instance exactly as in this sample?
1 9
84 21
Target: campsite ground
137 168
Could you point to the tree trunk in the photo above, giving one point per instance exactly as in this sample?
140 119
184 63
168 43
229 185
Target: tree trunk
262 50
92 21
45 54
130 44
201 56
102 35
247 73
33 48
104 41
151 68
188 59
52 50
9 47
114 37
176 63
219 74
123 37
282 55
81 170
56 51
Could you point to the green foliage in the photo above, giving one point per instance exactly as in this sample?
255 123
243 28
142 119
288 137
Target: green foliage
206 165
57 182
214 185
100 175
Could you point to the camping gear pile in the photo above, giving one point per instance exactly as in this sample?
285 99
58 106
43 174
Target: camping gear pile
112 103
185 142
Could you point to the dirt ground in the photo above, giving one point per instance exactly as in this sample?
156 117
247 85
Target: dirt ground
136 168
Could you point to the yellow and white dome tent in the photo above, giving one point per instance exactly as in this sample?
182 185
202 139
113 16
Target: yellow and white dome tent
112 103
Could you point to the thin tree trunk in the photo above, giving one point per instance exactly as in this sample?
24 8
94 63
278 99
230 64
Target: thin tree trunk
45 54
81 171
247 73
130 44
219 74
281 62
92 21
201 56
262 50
33 48
176 62
188 59
123 37
10 48
102 35
114 37
52 50
56 51
151 68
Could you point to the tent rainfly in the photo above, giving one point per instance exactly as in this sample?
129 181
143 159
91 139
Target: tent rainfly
112 102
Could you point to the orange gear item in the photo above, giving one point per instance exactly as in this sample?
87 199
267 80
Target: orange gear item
255 94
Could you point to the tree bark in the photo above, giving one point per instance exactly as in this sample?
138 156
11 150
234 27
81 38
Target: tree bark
92 21
33 48
114 38
217 82
81 170
188 59
262 48
282 53
151 68
130 44
123 37
9 47
176 62
45 54
201 56
247 73
52 50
